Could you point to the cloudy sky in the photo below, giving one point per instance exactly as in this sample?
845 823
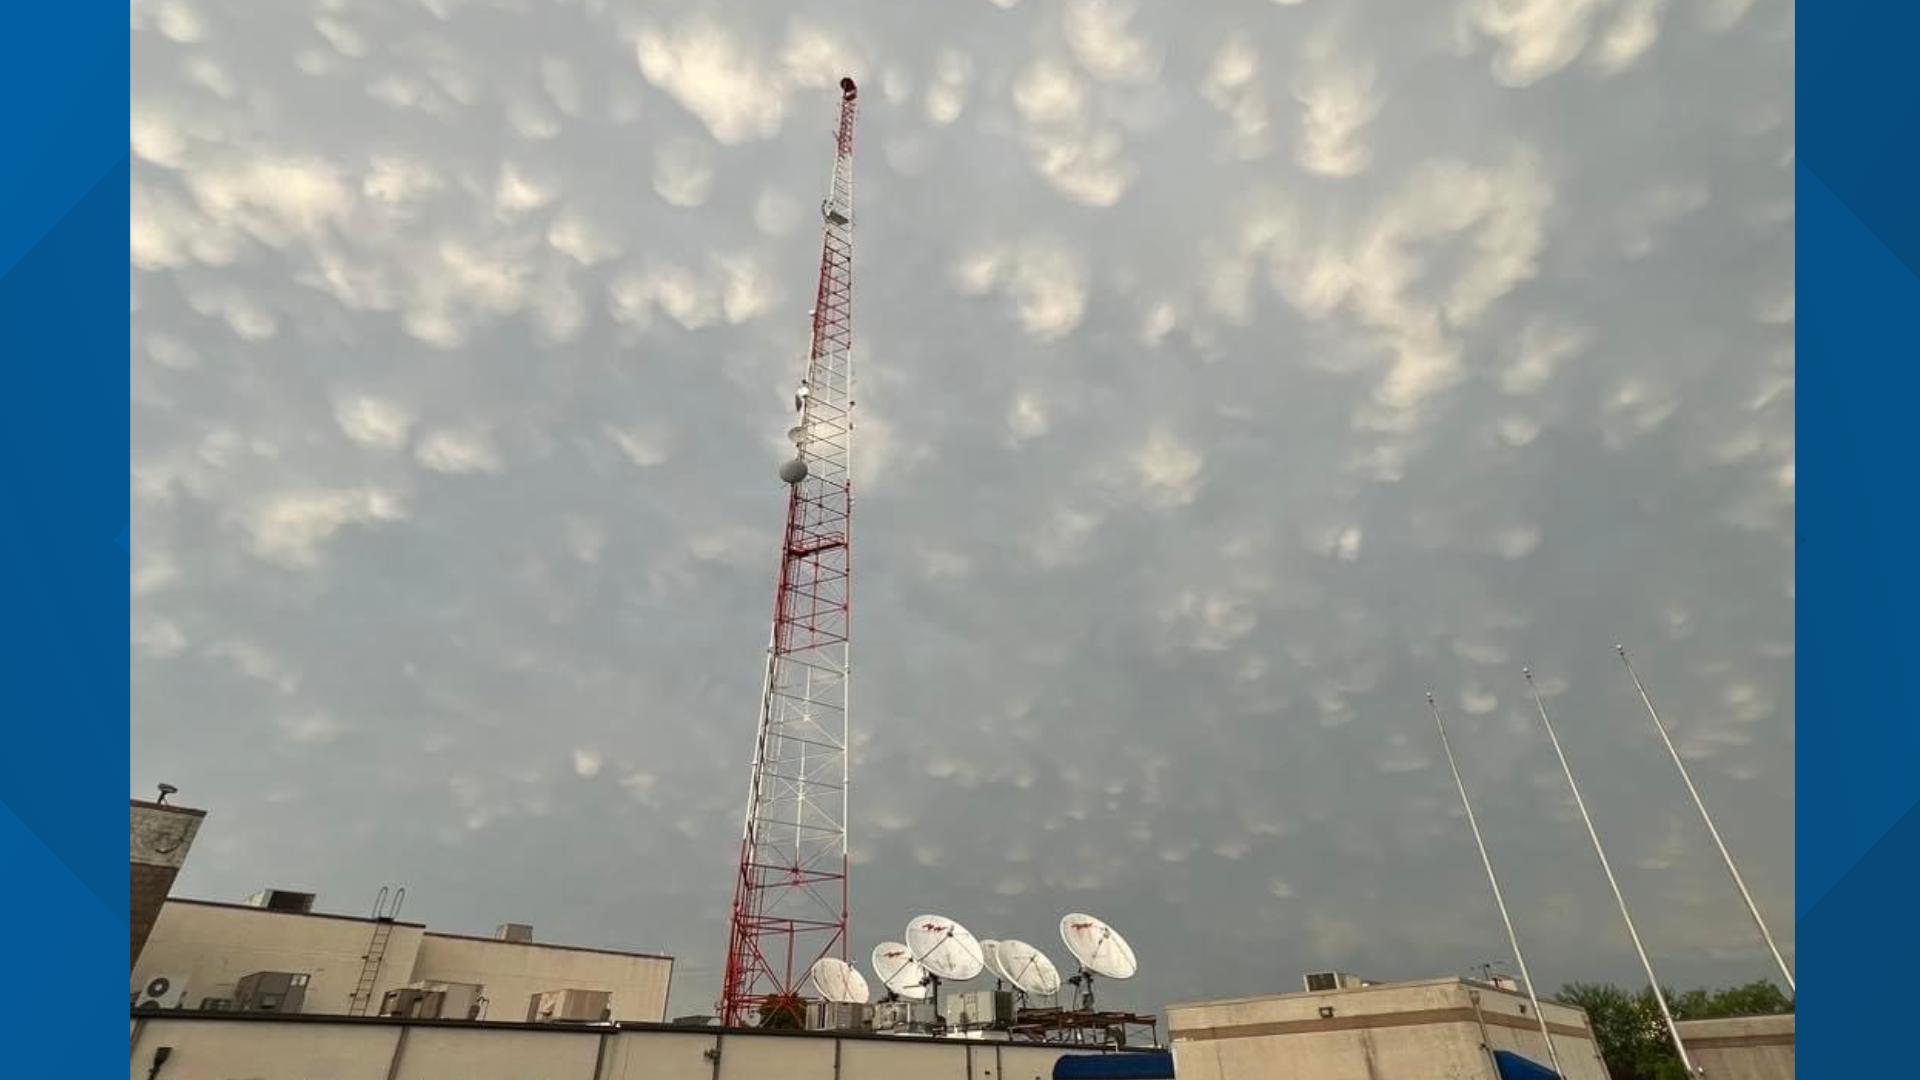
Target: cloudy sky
1232 373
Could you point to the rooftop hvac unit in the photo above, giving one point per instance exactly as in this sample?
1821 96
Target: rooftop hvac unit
271 991
1319 982
414 1002
300 903
432 1000
839 1016
517 932
901 1017
570 1007
161 992
979 1008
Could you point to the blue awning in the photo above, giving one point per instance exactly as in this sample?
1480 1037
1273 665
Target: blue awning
1150 1066
1514 1067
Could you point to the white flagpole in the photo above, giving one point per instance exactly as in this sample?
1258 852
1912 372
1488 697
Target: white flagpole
1499 901
1752 908
1653 981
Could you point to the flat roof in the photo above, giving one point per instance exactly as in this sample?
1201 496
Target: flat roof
551 945
1456 980
420 926
167 808
295 914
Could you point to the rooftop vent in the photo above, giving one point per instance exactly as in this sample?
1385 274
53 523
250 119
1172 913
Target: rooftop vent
282 900
1318 982
514 931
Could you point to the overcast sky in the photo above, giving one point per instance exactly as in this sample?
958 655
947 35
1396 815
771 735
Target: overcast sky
1231 374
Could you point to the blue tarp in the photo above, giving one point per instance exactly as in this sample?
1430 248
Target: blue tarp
1149 1066
1514 1067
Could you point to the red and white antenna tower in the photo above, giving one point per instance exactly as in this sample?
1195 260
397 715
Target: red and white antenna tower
790 899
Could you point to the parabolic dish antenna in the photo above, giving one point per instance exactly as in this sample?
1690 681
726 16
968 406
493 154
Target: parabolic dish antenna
899 972
839 981
1099 947
1028 968
945 948
990 954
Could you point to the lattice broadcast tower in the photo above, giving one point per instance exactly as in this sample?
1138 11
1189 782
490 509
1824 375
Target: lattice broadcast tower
790 898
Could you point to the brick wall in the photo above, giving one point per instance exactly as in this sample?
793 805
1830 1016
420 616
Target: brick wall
160 839
151 884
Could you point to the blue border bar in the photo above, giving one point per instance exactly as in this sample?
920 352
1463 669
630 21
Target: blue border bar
64 542
63 281
1858 388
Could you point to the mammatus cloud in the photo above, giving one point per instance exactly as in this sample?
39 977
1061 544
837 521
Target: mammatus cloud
738 90
1337 101
1534 39
1070 141
292 529
1044 281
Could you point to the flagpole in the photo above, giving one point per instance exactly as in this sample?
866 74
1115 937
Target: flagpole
1498 900
1752 908
1653 981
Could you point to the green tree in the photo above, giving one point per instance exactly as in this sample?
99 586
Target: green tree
1632 1036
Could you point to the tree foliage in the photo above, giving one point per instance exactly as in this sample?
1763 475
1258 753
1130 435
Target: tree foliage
1633 1038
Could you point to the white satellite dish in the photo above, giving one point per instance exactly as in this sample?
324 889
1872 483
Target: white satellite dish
990 956
945 948
899 972
1099 947
1028 969
839 981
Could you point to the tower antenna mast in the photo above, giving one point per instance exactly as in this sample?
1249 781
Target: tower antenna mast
790 897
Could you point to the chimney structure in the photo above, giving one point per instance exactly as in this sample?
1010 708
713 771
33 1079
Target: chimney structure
162 835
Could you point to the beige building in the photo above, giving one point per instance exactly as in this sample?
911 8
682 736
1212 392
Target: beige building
185 1046
204 953
1440 1029
1741 1047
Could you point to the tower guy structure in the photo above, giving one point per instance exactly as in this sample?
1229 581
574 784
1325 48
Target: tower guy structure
790 897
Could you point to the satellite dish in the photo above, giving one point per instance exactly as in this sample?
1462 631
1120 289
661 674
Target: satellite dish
945 948
899 972
1099 947
1028 968
797 434
793 471
990 954
839 981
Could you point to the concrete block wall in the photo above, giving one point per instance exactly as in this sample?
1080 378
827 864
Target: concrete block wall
224 1047
1741 1047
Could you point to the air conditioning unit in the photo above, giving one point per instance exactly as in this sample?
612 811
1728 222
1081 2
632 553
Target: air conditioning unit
162 992
569 1007
979 1008
839 1016
901 1017
271 991
433 1001
299 903
413 1002
1319 982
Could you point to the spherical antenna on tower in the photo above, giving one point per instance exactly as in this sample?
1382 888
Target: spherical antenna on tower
793 471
